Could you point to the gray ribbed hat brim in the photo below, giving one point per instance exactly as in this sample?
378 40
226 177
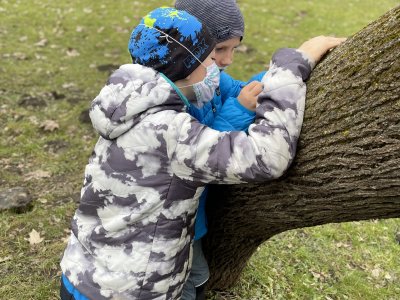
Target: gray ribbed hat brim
222 17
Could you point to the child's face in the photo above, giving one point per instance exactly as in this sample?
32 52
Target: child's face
200 72
196 76
224 52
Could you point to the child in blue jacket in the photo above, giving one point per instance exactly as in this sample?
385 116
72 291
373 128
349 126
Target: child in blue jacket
231 109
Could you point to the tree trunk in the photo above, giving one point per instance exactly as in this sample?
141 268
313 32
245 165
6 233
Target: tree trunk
348 162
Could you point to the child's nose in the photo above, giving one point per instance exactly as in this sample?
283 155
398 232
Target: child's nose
228 60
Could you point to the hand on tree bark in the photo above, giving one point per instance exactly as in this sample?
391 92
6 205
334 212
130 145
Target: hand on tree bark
316 47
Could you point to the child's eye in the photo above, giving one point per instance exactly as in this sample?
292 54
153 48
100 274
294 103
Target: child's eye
219 49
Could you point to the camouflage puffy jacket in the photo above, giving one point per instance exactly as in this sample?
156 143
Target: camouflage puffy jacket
131 234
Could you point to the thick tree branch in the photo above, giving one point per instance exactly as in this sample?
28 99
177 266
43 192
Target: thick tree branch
348 162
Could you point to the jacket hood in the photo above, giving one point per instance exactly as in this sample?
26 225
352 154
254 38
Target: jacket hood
131 93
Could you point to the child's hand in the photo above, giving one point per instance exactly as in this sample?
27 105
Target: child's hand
316 47
248 95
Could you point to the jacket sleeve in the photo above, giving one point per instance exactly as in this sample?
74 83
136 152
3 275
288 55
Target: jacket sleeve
202 154
233 115
229 87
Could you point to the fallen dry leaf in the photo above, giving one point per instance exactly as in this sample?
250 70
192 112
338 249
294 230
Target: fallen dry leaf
68 85
34 237
376 272
342 245
37 175
72 52
41 43
33 120
388 277
3 259
19 55
40 57
42 200
49 125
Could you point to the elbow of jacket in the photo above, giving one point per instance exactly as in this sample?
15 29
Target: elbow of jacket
281 166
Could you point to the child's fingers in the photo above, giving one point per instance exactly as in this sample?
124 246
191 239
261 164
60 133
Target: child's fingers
318 46
337 41
250 86
256 88
253 84
331 42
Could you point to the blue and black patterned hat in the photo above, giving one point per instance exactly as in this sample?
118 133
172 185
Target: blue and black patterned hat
166 40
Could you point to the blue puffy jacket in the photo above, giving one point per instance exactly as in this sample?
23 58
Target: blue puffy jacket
222 113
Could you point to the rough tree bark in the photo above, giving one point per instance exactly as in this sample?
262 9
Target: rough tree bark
348 162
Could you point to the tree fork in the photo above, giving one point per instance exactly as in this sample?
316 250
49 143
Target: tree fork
348 163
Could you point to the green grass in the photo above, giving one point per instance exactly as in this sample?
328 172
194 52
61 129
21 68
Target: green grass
39 45
357 260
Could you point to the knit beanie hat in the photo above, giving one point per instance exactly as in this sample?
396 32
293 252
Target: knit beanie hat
167 40
222 17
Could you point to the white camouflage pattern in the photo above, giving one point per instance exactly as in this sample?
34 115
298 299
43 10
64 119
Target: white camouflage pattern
131 235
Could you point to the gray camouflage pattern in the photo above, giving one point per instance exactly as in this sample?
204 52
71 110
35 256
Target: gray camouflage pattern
132 232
